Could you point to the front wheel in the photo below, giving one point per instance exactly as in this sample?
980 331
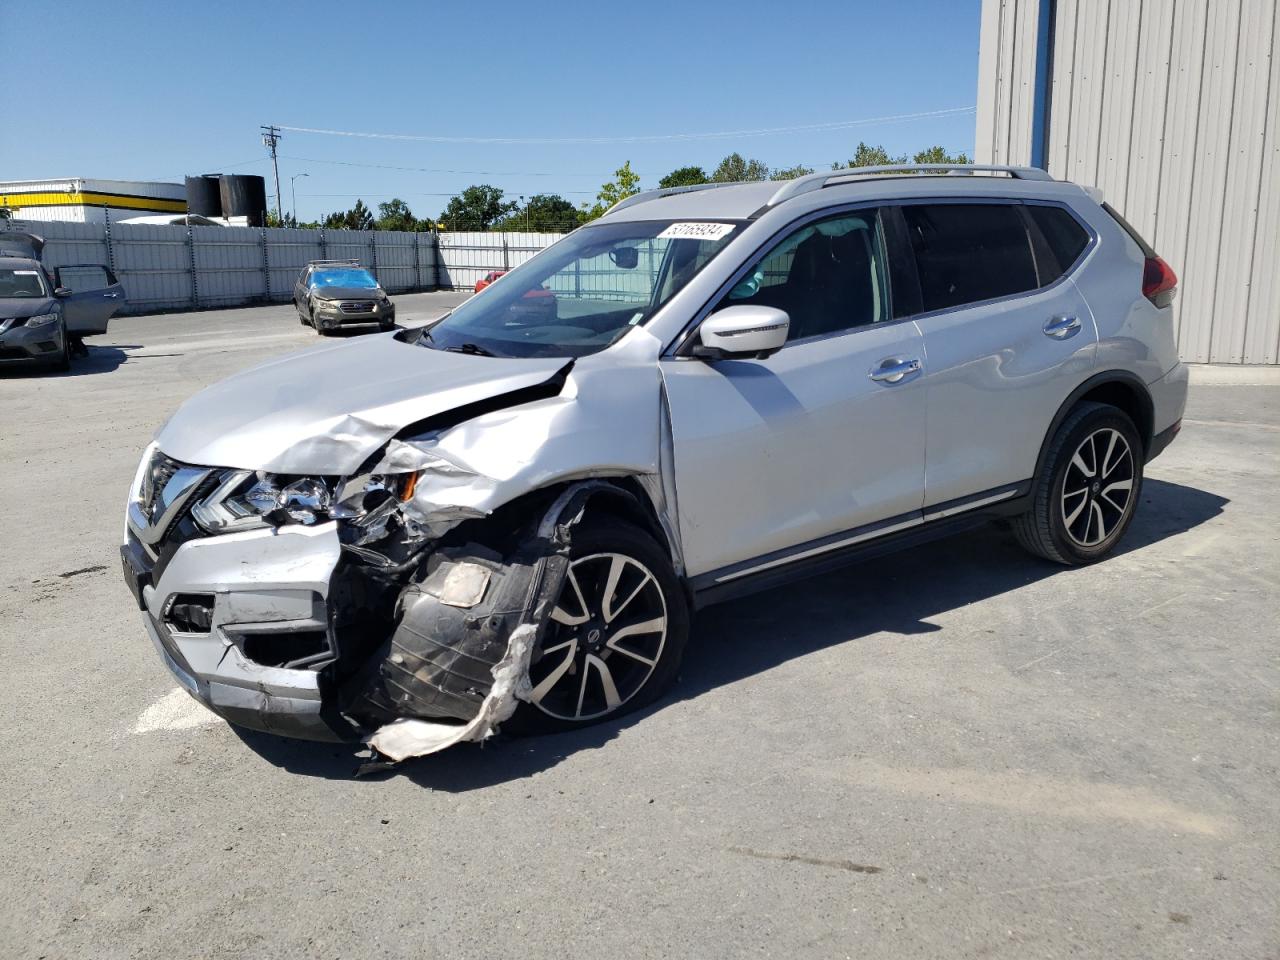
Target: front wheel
1087 492
616 636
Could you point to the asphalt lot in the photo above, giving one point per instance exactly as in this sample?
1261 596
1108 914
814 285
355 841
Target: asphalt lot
957 752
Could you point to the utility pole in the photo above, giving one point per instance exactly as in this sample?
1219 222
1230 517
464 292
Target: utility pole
270 137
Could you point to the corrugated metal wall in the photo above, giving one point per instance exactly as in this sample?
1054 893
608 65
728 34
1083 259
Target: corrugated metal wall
173 268
1172 107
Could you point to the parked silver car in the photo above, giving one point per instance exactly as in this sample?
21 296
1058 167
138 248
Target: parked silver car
734 386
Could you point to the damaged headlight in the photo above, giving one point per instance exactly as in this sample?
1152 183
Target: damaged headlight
245 500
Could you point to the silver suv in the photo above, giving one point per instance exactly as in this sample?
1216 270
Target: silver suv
508 516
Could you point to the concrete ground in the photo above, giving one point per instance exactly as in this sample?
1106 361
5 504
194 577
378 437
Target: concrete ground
957 752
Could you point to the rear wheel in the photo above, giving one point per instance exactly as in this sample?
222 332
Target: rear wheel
1087 493
616 636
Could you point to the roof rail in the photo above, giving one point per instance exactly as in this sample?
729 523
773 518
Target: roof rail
666 192
816 181
333 263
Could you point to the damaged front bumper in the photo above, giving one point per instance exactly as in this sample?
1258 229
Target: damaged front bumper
300 630
242 622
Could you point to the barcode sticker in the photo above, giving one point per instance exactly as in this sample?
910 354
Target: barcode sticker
696 231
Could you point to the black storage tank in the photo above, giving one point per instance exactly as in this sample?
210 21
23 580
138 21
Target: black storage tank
244 195
204 197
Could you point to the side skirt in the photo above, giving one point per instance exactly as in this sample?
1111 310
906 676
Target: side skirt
861 543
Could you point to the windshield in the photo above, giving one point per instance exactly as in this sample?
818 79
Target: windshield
351 277
582 294
21 283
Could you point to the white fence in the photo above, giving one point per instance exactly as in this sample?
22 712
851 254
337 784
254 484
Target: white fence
181 268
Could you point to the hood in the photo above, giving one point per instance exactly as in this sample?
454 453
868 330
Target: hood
326 410
348 293
26 306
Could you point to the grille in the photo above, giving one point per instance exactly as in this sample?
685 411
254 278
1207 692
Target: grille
356 306
13 353
159 473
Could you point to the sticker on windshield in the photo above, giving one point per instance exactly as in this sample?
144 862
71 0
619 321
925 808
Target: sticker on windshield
696 231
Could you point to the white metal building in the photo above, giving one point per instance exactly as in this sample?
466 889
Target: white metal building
1172 108
81 200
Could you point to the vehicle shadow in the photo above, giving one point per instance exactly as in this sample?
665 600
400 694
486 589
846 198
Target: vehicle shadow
736 640
101 359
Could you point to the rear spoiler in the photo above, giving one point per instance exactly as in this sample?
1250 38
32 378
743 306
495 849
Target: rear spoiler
16 244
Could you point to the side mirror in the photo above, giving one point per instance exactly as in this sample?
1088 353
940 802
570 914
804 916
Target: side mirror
748 331
62 292
625 257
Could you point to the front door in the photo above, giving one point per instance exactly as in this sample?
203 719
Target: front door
95 296
824 436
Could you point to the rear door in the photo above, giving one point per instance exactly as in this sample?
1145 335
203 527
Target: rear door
775 456
1007 337
95 296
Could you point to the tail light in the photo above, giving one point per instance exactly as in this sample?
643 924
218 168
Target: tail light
1159 282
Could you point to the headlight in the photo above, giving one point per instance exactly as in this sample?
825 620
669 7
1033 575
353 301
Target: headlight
41 319
325 305
246 500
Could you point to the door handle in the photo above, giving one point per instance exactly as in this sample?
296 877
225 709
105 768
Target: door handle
1061 328
113 296
894 369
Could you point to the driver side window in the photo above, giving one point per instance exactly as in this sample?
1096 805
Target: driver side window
828 276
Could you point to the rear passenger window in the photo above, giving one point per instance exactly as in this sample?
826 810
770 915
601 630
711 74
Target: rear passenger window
1066 239
967 252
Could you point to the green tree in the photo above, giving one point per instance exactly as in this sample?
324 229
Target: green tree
684 177
544 213
395 214
790 173
357 218
735 168
940 155
626 183
877 156
476 208
869 156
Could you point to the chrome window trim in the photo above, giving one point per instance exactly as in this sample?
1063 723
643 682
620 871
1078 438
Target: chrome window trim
673 349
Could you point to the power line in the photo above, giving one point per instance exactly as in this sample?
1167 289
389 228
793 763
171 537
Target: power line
474 173
653 138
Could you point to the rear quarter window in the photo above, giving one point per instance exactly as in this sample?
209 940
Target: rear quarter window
969 252
1064 235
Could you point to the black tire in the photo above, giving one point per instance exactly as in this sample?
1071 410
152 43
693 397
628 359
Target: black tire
622 662
1084 525
62 363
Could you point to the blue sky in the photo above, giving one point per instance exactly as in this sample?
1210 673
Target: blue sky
150 90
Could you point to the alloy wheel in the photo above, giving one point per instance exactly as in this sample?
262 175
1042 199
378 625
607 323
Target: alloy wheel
1097 491
604 641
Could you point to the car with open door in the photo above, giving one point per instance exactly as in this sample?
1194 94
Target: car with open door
508 515
44 317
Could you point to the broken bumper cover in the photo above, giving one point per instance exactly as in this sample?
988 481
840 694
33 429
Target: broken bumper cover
240 620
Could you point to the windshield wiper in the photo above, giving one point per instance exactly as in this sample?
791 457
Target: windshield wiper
472 348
